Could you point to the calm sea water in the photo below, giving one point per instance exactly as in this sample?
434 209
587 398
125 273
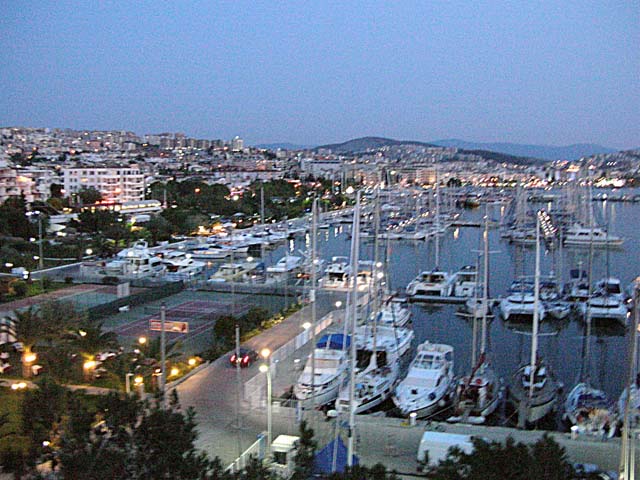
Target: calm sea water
509 347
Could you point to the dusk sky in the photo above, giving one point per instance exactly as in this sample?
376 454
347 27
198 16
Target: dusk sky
554 72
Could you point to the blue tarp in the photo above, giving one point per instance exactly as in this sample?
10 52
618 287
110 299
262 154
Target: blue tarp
324 458
335 341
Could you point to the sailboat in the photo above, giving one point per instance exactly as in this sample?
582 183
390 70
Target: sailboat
534 390
478 394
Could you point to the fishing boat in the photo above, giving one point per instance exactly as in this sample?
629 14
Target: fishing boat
322 376
428 383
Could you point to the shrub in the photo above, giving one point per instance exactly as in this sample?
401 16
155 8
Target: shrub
68 280
19 288
46 283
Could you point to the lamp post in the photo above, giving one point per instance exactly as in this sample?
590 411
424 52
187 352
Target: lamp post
266 368
127 383
38 214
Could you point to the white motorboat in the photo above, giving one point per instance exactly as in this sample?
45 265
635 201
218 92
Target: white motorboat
179 264
337 272
321 378
477 395
233 272
135 261
577 288
611 287
432 283
605 307
428 383
286 264
580 236
465 281
211 252
590 410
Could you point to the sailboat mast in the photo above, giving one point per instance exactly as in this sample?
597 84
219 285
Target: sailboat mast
437 262
536 306
355 251
485 285
312 299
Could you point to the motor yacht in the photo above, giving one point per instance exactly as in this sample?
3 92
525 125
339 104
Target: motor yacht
136 261
211 252
337 272
179 264
321 378
233 272
286 264
580 236
577 288
428 383
392 315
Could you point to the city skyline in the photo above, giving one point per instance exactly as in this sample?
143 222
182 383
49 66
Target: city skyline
314 74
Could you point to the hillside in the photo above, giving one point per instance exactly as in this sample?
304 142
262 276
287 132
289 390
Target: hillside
362 144
547 152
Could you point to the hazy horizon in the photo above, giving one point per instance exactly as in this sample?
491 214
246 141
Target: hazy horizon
320 73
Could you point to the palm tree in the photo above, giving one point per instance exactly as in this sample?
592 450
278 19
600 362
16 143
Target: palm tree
27 328
90 340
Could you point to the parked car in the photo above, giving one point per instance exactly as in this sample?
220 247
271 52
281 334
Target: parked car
246 357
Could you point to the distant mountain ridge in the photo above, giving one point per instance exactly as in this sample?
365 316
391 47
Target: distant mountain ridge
282 146
546 152
366 143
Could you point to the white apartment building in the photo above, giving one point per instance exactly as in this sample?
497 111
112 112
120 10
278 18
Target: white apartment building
121 184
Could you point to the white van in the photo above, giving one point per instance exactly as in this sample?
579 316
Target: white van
434 446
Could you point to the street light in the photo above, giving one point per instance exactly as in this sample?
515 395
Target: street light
142 340
266 368
338 304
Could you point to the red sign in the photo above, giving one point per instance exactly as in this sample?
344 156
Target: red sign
169 326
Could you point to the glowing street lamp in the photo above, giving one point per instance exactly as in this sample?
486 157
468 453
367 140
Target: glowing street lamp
266 368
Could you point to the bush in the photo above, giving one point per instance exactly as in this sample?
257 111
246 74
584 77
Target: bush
68 280
46 283
19 288
109 280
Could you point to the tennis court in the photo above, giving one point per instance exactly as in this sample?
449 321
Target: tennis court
200 315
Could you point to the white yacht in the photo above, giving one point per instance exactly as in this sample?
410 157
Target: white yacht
611 286
329 369
465 281
337 272
433 283
577 288
429 381
179 264
520 301
136 261
233 272
393 339
286 264
580 236
589 409
210 252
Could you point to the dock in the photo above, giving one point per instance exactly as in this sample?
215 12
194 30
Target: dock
437 299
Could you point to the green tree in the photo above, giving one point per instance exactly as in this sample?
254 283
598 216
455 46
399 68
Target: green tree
89 195
28 328
305 454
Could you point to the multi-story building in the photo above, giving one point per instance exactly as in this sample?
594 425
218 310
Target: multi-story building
117 183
